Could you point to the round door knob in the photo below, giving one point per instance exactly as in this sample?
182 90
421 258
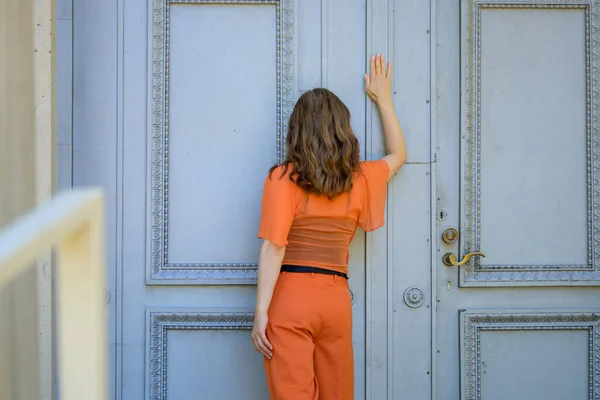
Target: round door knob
450 235
414 297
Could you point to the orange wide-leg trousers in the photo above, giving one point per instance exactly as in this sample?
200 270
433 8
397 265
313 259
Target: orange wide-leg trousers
310 328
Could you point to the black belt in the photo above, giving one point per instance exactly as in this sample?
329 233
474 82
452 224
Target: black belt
314 270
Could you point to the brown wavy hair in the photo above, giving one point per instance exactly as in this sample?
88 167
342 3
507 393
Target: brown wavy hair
321 148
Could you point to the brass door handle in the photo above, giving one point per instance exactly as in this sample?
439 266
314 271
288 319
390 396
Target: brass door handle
449 259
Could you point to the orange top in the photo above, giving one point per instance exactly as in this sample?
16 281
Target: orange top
318 231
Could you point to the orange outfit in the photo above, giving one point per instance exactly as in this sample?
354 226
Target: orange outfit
310 316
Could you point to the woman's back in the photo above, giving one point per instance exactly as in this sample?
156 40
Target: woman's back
316 230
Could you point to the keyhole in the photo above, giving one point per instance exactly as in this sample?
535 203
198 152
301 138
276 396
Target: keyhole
442 214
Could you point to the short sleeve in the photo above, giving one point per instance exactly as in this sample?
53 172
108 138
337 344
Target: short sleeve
374 178
278 208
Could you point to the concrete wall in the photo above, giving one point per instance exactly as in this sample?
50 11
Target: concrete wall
27 158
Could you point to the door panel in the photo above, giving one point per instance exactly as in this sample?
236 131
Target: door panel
526 143
541 354
515 176
409 206
211 342
218 113
222 102
520 59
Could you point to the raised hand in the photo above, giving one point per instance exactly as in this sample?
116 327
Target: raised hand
378 84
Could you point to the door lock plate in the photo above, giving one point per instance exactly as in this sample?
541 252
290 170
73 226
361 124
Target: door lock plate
441 214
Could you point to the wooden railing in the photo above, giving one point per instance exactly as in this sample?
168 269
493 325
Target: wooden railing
73 224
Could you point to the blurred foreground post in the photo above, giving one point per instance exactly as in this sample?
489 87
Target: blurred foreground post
74 224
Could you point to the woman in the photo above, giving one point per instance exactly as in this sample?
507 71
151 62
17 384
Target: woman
312 205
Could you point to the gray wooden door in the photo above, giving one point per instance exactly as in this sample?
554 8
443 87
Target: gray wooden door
517 174
222 83
179 109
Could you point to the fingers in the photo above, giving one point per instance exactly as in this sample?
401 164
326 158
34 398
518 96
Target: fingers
265 341
263 349
260 346
378 67
373 70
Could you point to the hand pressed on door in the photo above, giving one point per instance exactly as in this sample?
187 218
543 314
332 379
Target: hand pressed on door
378 86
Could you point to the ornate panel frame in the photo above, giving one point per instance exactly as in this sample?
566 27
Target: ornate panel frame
160 322
159 269
473 273
474 322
